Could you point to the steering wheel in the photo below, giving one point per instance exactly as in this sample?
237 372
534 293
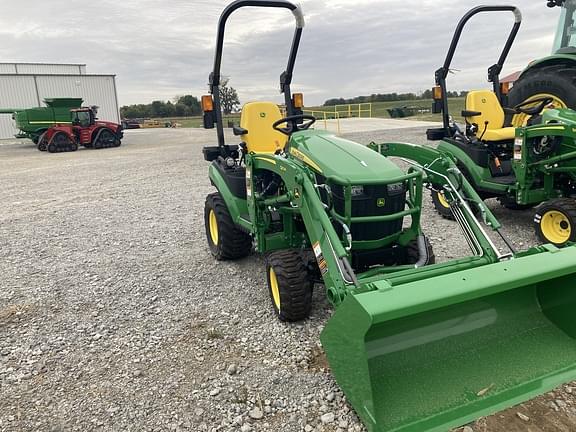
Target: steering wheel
531 111
291 121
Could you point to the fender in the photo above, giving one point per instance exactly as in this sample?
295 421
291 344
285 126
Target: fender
53 132
98 131
237 207
550 60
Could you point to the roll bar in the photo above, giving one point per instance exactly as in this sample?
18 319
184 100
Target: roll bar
494 70
285 77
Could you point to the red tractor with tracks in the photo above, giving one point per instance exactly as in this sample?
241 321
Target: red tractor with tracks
84 129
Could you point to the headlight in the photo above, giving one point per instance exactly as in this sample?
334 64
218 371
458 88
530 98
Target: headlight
395 188
357 190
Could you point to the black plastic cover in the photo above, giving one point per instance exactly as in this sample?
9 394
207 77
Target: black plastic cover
436 134
234 177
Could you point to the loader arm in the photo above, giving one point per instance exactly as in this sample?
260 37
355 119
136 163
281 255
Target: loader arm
441 170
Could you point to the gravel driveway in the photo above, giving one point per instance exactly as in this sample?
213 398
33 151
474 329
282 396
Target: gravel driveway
115 317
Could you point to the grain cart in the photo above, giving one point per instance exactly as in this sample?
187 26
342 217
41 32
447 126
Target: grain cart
522 167
415 345
553 76
33 122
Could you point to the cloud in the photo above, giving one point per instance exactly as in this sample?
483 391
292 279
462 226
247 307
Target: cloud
162 49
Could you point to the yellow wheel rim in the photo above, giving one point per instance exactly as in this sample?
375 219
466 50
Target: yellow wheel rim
274 288
556 227
520 120
213 227
442 199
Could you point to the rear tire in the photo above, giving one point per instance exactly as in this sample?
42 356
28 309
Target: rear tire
555 221
62 143
225 240
556 80
441 205
289 287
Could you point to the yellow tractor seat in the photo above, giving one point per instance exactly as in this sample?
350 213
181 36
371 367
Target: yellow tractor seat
257 119
491 119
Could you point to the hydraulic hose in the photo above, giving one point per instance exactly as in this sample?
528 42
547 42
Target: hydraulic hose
422 251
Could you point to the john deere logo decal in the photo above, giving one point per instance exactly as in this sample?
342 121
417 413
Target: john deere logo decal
262 114
381 202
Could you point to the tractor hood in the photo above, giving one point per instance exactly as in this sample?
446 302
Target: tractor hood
341 159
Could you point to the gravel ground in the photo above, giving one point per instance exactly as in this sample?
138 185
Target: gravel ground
114 316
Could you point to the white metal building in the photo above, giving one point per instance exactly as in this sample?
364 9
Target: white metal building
43 68
26 85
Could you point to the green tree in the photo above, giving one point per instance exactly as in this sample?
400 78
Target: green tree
192 103
228 97
180 106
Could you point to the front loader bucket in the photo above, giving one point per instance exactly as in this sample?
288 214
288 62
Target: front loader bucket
441 351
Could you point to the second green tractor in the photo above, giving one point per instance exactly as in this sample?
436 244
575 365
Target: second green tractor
523 167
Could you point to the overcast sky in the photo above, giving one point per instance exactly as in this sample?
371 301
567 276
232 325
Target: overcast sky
160 49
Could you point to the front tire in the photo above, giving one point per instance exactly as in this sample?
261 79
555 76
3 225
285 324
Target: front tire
441 204
225 240
555 221
289 286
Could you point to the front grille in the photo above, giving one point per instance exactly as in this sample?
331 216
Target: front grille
377 200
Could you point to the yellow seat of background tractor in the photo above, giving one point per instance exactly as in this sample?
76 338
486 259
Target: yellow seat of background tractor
487 103
257 118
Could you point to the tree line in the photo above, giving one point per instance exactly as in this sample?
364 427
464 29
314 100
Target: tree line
181 106
389 97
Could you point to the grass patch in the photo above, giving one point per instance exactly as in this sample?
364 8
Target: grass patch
379 110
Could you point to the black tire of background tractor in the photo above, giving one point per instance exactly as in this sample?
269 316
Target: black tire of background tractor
293 287
564 206
106 139
413 253
558 80
511 204
232 243
440 207
61 143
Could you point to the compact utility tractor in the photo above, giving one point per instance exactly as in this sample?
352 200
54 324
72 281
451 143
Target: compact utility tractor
553 76
415 345
522 167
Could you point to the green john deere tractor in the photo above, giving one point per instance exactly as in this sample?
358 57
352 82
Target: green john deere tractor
522 167
553 76
415 345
